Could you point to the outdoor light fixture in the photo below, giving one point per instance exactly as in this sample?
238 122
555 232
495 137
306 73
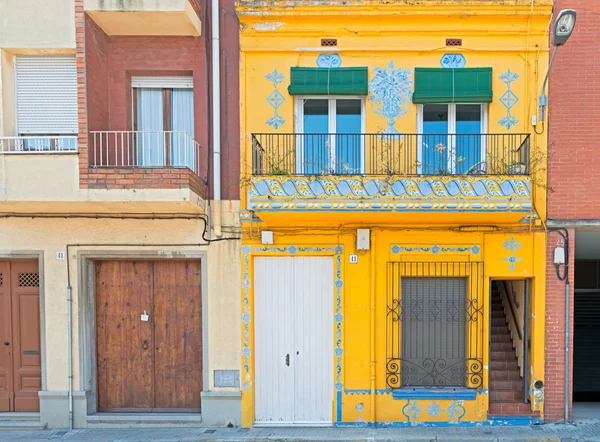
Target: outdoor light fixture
563 28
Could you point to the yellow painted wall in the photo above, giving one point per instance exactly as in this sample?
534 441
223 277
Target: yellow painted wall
357 295
503 35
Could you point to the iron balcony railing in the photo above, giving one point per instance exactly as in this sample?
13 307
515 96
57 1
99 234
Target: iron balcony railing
390 154
38 144
144 149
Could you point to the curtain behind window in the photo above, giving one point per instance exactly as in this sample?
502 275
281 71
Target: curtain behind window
150 138
182 120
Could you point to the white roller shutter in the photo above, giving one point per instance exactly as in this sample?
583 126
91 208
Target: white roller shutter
171 82
46 94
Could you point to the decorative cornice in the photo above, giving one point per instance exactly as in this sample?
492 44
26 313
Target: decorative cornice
357 193
265 8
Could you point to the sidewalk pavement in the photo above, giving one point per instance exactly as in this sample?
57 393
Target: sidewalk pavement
582 431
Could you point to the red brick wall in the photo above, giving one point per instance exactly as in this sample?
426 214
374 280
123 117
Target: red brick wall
574 122
573 174
96 60
554 400
109 63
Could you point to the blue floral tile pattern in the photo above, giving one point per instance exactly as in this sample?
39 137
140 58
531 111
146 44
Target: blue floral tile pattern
453 61
390 92
508 99
435 250
329 61
275 99
512 246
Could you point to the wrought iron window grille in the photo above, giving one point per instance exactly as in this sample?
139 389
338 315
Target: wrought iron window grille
435 320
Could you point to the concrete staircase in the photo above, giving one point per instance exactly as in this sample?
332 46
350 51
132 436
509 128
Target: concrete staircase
506 384
21 421
144 420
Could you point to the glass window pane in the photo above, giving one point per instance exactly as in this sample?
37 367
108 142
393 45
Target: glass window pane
150 138
182 123
468 137
434 149
315 139
348 139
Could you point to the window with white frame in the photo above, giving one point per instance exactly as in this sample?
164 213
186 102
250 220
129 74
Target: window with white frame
46 102
329 139
453 138
163 121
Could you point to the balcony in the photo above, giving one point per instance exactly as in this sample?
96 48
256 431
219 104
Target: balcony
144 159
366 176
142 17
36 145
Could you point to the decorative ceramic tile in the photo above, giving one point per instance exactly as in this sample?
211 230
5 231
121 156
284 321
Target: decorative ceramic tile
275 99
453 61
508 99
355 193
512 246
329 61
390 93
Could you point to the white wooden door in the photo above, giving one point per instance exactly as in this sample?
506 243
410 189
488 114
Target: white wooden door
294 325
274 339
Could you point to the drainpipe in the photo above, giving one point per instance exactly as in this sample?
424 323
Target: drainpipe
70 349
373 286
216 106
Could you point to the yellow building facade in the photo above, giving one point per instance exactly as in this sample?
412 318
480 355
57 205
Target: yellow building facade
393 207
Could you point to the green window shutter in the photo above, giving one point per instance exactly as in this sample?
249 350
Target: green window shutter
442 85
329 81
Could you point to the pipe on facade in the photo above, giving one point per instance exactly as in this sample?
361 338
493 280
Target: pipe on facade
565 277
70 347
373 287
216 108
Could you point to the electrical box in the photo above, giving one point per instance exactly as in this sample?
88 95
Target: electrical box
559 255
363 239
267 237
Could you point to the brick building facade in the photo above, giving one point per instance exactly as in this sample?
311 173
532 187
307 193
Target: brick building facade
573 165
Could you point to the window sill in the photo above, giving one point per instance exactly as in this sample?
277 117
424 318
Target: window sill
454 394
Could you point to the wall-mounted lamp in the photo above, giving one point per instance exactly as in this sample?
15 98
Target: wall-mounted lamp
563 28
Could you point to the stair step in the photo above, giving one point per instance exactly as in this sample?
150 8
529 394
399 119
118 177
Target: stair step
511 409
144 420
505 375
20 416
503 384
502 346
499 329
499 322
504 365
505 395
500 337
498 314
22 425
502 355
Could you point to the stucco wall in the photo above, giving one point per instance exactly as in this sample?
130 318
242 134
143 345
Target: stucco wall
31 24
50 236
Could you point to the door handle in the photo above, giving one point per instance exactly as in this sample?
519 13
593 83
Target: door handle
7 343
145 345
287 359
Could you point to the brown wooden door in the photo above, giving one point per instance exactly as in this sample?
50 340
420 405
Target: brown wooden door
153 364
20 360
178 340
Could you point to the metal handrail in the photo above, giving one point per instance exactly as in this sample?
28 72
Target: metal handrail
512 310
146 149
390 154
38 144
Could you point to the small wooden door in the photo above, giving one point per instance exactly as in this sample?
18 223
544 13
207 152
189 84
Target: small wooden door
149 335
293 303
20 361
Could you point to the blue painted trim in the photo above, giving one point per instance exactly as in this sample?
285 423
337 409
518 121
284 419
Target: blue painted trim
496 421
435 394
339 407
